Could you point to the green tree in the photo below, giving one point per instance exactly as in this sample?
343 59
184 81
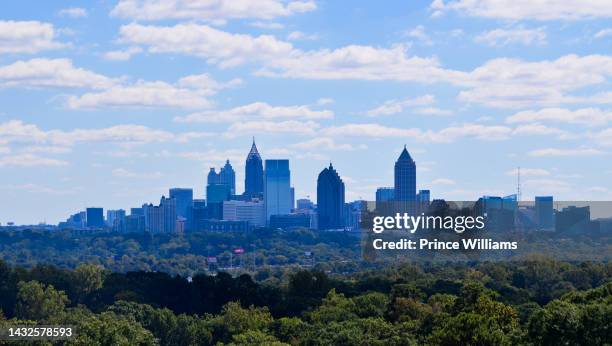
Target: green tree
38 302
109 329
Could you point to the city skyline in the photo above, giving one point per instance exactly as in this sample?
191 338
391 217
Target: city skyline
103 105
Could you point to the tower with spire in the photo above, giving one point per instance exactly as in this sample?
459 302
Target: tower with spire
330 199
253 175
405 177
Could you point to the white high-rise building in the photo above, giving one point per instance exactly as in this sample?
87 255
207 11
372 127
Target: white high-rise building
252 211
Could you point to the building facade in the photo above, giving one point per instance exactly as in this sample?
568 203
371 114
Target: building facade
253 174
330 199
277 188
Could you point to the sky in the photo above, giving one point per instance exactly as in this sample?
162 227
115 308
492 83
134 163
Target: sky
111 103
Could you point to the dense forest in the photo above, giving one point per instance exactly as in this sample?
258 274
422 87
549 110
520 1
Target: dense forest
265 251
533 302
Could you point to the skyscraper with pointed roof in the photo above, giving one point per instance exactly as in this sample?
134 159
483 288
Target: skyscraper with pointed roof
254 175
330 199
227 176
405 177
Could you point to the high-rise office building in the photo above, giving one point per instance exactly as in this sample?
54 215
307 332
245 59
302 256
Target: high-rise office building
95 217
277 188
252 211
200 214
385 194
168 206
405 177
544 212
215 195
184 203
227 176
254 175
154 216
213 177
330 199
115 219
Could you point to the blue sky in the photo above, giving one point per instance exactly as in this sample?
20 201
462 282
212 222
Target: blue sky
110 103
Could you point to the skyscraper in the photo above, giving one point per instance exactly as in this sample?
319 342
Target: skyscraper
405 177
254 176
95 217
277 188
227 176
213 177
330 199
544 212
184 203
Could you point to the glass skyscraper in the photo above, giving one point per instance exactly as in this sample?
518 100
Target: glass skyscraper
330 199
405 177
95 217
184 204
277 188
227 176
254 175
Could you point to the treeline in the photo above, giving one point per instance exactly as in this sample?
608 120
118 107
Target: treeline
536 302
176 254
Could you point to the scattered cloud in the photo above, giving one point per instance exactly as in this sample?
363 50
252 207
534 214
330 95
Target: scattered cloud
325 101
557 152
214 11
27 37
272 127
504 37
420 35
189 92
300 36
267 25
583 116
122 55
255 111
529 172
397 106
73 12
41 72
125 173
16 131
443 181
30 160
322 143
604 33
516 10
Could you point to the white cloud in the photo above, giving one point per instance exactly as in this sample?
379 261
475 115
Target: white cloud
254 111
478 131
272 127
122 55
27 37
47 149
300 36
267 25
525 10
397 106
443 181
29 160
218 47
432 111
42 72
603 137
507 82
584 116
189 92
5 150
211 10
325 101
35 188
503 37
529 172
16 131
369 130
419 33
322 143
73 12
125 173
540 130
604 33
555 152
